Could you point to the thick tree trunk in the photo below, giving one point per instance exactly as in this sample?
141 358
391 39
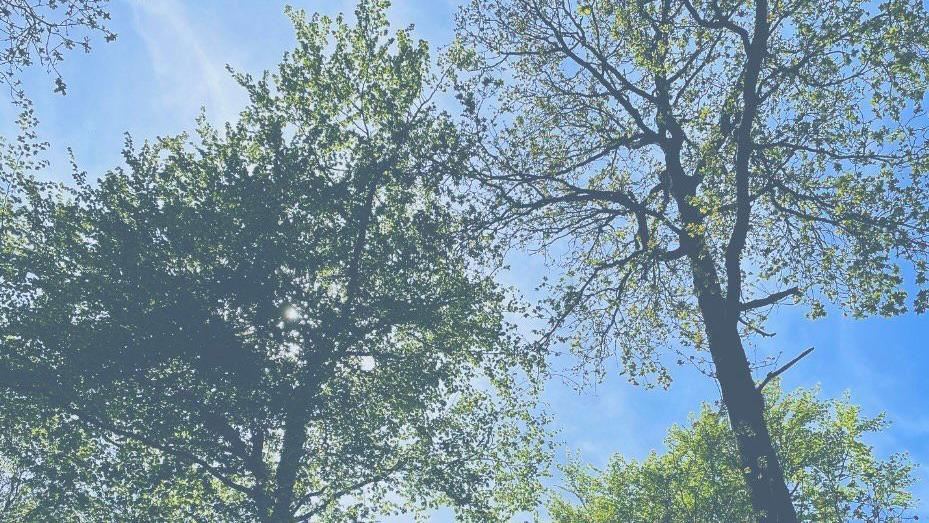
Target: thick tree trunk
745 405
296 419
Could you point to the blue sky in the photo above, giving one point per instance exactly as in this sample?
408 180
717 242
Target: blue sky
169 60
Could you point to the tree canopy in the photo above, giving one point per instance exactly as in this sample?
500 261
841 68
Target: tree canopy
693 164
275 321
834 474
295 316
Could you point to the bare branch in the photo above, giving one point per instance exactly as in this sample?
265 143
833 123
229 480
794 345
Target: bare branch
778 372
770 299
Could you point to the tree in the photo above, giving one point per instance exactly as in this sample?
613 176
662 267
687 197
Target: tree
278 321
834 474
45 473
42 31
693 164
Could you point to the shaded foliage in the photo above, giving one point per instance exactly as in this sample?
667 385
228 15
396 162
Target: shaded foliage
276 321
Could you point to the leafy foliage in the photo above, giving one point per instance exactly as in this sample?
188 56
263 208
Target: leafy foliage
42 31
277 321
833 474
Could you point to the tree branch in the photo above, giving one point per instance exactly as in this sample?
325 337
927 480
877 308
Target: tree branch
755 55
778 372
769 300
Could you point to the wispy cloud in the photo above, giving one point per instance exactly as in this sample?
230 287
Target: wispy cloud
188 58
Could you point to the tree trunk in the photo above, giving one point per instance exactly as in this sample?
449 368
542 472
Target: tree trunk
294 439
745 405
761 469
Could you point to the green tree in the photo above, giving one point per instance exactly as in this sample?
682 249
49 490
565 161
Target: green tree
692 164
45 468
832 472
277 321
